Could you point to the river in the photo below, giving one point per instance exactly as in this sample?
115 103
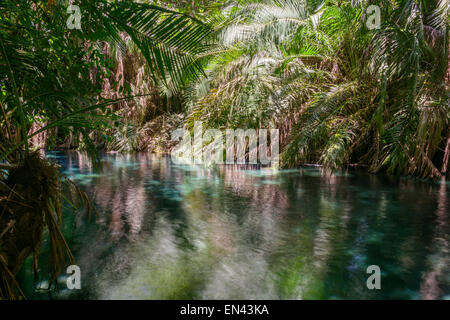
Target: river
165 231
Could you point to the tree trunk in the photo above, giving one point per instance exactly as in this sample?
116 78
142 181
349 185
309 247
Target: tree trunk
446 158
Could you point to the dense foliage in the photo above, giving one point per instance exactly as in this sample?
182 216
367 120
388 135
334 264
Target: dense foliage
339 92
54 77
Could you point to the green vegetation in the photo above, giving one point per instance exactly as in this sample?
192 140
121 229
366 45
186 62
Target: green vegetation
339 92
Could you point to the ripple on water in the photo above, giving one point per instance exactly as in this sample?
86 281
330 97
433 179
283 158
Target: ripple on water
188 232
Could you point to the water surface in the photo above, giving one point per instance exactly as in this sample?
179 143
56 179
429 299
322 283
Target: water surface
165 231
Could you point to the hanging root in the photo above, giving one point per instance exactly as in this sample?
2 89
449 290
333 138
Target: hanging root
31 199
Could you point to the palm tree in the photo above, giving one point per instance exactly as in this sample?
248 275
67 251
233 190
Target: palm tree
39 80
409 59
339 92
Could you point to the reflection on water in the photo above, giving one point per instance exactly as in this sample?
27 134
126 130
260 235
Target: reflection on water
181 232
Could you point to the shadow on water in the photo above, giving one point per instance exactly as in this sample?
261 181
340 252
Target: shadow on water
166 231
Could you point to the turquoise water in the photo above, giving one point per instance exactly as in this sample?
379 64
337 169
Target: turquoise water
165 231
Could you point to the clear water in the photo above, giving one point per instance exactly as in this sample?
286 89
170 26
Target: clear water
180 232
